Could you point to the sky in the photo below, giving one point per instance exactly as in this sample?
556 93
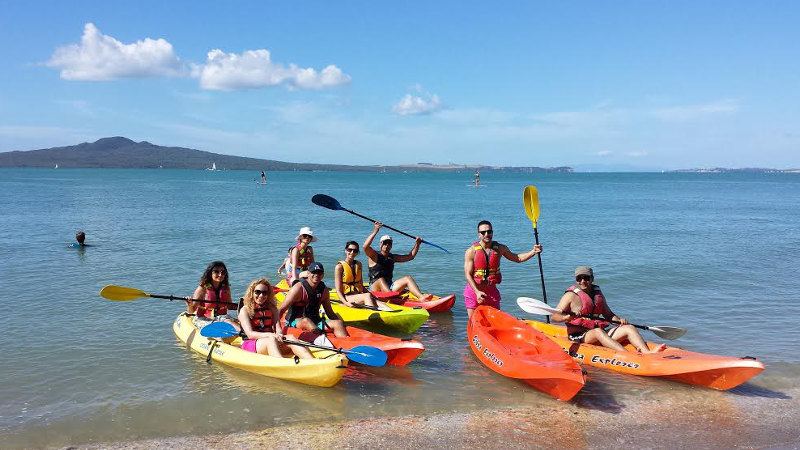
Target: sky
592 85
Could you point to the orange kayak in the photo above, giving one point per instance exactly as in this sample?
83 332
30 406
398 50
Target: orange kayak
399 352
512 348
712 371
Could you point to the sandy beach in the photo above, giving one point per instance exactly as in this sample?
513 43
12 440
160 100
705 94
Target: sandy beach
683 417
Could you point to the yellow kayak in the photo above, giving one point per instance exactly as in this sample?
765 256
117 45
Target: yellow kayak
325 370
400 318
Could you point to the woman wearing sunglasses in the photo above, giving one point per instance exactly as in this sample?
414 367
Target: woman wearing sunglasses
259 319
214 295
349 282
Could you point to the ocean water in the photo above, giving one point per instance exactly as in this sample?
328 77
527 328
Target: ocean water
714 253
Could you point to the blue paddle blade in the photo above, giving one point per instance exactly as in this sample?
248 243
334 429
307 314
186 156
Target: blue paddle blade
218 330
326 201
364 354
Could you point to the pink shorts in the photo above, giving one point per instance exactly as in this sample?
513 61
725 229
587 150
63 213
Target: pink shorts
249 345
492 297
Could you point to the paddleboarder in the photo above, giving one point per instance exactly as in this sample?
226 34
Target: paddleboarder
381 265
482 268
263 177
585 298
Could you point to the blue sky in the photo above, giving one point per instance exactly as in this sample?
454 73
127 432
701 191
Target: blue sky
651 85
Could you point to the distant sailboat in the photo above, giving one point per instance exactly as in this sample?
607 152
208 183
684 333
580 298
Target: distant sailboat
213 166
56 167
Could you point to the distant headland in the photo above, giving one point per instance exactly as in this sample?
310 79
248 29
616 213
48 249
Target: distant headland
121 152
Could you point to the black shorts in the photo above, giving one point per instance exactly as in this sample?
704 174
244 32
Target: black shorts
580 335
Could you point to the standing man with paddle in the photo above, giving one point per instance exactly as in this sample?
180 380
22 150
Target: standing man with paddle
381 265
482 268
588 317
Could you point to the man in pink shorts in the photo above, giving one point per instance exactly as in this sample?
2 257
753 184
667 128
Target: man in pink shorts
482 268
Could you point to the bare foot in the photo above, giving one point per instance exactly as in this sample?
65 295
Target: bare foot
658 349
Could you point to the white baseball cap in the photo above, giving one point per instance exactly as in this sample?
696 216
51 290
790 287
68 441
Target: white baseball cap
385 237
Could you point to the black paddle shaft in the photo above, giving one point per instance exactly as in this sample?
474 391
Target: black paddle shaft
172 297
541 271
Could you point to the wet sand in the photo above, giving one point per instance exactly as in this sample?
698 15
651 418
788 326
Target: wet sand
682 417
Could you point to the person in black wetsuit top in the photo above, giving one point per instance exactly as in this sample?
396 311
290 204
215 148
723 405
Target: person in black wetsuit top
303 301
381 266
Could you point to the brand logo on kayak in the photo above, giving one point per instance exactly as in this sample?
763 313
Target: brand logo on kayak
486 352
596 359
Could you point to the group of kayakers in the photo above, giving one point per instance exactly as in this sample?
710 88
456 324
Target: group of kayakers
583 306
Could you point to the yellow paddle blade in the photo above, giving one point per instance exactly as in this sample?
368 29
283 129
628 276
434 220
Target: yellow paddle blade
530 197
121 293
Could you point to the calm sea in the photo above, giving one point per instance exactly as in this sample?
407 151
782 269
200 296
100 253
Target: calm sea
715 253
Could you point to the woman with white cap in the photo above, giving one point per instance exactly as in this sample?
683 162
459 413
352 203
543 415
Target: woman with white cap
301 256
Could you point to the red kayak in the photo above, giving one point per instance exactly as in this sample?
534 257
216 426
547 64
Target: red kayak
437 304
399 352
511 348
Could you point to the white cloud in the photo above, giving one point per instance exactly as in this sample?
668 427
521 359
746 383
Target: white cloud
691 112
604 153
255 69
101 58
412 105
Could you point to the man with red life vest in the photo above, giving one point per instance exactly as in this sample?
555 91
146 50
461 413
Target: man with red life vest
303 301
588 317
482 268
381 266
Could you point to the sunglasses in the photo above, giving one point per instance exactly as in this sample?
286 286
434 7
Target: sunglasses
485 232
305 236
580 278
386 243
351 250
219 271
259 292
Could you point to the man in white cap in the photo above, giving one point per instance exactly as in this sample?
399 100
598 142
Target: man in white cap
588 317
301 256
381 266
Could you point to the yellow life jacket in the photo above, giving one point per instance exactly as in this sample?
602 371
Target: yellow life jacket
353 282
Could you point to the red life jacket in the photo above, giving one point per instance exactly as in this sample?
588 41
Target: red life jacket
487 264
262 319
305 256
211 310
590 305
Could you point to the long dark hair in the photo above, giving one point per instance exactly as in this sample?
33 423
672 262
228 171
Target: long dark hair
205 279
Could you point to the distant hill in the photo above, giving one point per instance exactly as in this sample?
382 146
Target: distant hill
120 152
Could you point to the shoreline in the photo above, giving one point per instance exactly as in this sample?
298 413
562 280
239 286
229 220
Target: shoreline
753 418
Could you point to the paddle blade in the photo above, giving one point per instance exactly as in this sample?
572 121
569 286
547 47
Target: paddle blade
326 201
533 306
530 198
367 355
218 330
121 293
666 332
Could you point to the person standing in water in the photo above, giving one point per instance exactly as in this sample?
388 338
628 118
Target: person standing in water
80 238
482 268
263 177
477 178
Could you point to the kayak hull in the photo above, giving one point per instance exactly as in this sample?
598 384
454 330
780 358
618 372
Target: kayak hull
513 349
399 352
711 371
400 318
437 305
325 370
